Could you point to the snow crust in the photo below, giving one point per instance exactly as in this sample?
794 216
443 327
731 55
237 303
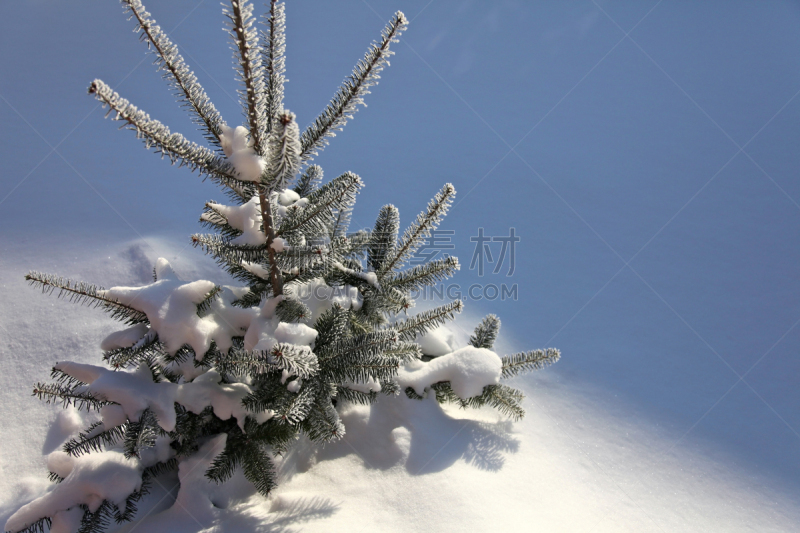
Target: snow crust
468 370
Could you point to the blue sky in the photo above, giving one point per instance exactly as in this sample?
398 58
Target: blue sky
645 153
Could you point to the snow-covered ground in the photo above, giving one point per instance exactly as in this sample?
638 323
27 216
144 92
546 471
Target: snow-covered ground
580 461
672 150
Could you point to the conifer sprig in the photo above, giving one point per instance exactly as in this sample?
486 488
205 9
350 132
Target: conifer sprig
309 181
85 294
94 439
383 239
486 332
424 275
346 100
180 77
283 144
528 361
338 194
249 70
425 321
66 395
174 146
274 59
419 230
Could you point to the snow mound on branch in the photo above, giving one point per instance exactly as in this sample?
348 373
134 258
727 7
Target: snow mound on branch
92 478
436 342
136 391
125 338
246 218
239 150
320 297
468 370
171 308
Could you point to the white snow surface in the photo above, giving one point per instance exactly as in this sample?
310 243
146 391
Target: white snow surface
593 462
468 370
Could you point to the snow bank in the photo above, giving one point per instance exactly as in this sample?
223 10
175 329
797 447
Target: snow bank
468 370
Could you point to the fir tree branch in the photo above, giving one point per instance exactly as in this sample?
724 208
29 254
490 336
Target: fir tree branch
182 79
129 512
172 145
383 238
424 275
274 59
290 310
505 399
529 361
205 306
486 332
379 368
421 323
347 395
40 526
341 222
283 160
296 408
249 70
158 469
53 392
419 230
323 424
346 100
97 521
140 434
212 218
309 181
337 194
145 348
86 294
93 439
258 468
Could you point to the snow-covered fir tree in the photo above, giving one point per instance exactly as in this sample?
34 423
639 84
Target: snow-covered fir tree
320 318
